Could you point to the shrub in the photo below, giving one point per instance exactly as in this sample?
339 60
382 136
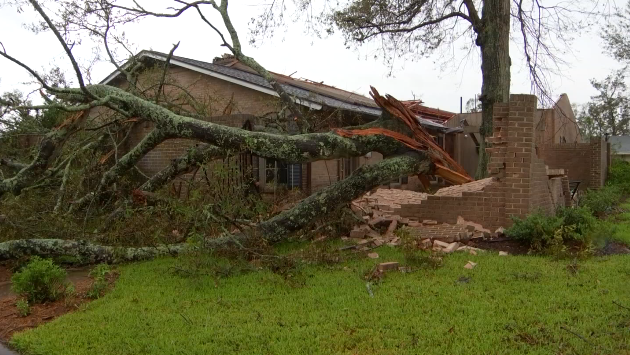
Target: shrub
23 308
537 229
552 231
99 274
619 175
601 201
39 281
580 217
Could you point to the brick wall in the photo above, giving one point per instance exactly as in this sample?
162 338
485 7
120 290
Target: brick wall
584 162
164 153
519 180
216 95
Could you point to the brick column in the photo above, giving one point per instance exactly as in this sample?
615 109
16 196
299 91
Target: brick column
566 191
520 154
596 180
512 155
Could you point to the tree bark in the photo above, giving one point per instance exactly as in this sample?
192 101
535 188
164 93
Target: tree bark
325 201
274 230
493 39
47 147
86 251
182 165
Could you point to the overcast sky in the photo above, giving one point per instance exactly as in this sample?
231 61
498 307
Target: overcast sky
292 51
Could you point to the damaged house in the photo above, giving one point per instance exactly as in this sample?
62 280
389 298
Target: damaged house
230 93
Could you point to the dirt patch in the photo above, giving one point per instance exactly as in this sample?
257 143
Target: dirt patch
5 273
613 248
11 322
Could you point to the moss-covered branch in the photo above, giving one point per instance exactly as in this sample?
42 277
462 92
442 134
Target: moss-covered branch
296 148
11 164
183 165
236 49
47 147
87 252
325 201
148 143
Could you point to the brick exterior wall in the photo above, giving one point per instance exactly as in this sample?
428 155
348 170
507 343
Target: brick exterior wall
520 183
216 95
163 154
584 162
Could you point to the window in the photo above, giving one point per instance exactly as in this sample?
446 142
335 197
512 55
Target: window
348 166
277 173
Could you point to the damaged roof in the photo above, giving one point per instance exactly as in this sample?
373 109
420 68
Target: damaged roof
307 93
429 113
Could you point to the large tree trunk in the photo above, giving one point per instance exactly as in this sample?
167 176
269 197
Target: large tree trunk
494 42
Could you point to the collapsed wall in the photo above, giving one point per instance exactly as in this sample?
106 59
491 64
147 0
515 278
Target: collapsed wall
518 182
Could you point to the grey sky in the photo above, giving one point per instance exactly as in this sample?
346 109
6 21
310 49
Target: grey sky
319 60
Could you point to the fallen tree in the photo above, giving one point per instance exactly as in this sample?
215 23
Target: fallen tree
406 147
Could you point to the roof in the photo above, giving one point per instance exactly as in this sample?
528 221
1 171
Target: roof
428 113
620 144
307 93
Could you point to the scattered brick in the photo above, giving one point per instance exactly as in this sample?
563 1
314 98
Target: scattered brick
426 244
392 265
470 265
451 248
357 234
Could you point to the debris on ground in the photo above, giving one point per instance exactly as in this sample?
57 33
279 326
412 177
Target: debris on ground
392 265
470 265
373 255
503 253
379 209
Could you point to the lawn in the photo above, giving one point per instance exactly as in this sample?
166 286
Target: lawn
622 224
506 305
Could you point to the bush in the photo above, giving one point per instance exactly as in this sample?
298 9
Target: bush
39 281
542 231
601 201
537 229
23 308
580 217
619 175
99 274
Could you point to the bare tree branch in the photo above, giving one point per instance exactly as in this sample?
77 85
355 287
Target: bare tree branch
167 62
63 43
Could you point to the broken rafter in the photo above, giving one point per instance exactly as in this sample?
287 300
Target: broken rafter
449 169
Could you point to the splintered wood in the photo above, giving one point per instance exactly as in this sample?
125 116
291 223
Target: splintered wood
446 167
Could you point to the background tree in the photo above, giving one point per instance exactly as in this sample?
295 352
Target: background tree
473 105
542 29
608 112
616 35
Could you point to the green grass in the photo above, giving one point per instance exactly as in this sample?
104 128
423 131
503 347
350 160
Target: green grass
506 305
622 225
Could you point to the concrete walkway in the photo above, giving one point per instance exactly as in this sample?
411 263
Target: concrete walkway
5 351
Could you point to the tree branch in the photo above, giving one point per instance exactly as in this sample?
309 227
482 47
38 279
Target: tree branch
47 148
252 63
183 165
64 45
158 92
